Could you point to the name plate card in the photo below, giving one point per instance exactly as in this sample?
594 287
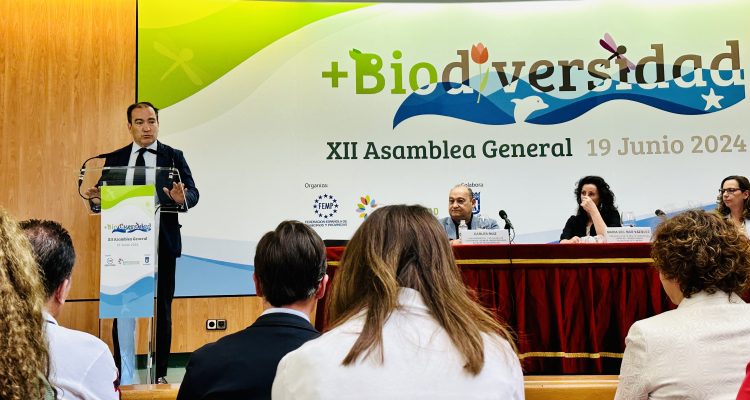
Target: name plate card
485 236
629 235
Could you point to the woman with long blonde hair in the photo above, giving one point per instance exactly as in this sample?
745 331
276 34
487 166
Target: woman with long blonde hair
24 361
404 325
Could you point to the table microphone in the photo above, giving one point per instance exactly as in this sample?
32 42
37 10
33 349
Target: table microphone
661 214
504 216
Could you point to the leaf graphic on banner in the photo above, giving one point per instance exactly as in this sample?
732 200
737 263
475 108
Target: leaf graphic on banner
483 84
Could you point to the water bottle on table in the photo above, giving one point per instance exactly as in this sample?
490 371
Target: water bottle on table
462 228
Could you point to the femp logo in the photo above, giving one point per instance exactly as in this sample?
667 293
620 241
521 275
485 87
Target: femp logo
325 206
548 92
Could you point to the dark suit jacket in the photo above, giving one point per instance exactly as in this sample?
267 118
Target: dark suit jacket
243 365
166 157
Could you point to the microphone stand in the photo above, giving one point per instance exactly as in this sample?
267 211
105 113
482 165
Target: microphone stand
81 173
511 231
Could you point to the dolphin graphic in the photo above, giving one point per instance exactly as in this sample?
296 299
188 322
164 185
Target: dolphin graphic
526 106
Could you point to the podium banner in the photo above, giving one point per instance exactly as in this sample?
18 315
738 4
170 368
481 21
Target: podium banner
128 251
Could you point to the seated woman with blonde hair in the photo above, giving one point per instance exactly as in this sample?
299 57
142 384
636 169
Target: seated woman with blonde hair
404 325
24 360
700 349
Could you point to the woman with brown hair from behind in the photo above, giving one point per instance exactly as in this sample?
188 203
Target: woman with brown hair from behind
24 361
403 323
699 349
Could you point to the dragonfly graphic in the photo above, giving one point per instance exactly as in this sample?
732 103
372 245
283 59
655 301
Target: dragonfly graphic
617 51
180 60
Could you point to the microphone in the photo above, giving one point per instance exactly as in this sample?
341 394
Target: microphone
661 214
94 207
162 154
504 216
158 153
83 166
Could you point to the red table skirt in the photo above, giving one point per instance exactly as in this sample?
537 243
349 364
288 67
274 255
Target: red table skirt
570 305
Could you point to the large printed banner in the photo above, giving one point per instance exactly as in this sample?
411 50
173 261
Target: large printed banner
128 247
323 112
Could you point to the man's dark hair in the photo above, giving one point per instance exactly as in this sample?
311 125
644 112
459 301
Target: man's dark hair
53 251
142 104
290 262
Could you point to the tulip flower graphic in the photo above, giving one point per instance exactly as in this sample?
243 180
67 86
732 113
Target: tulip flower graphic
479 55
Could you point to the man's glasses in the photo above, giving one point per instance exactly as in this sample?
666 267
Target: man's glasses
730 190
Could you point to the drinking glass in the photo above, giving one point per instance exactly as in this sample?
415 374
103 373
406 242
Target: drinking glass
628 218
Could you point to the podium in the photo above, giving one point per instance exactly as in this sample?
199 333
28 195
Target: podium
130 216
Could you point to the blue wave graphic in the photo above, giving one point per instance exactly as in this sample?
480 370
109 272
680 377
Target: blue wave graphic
532 106
198 276
218 262
136 301
123 230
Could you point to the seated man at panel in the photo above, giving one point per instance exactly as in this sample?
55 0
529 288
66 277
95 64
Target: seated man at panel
81 366
461 201
290 275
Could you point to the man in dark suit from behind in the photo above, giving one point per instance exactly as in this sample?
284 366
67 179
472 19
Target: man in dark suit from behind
290 275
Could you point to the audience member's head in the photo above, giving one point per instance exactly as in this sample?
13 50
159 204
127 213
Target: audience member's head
460 203
290 265
698 251
55 256
404 246
23 351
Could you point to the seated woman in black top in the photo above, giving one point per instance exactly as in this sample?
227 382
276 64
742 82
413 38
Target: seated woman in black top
596 210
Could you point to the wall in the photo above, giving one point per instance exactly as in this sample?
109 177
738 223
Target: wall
68 74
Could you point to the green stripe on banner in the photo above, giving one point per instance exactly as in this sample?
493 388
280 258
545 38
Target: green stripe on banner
112 195
185 46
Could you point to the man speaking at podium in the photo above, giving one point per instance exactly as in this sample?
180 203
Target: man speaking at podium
143 123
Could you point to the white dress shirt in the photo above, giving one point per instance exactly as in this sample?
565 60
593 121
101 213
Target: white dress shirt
420 362
697 351
274 310
81 366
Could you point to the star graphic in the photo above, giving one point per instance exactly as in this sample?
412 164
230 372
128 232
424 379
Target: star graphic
712 100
